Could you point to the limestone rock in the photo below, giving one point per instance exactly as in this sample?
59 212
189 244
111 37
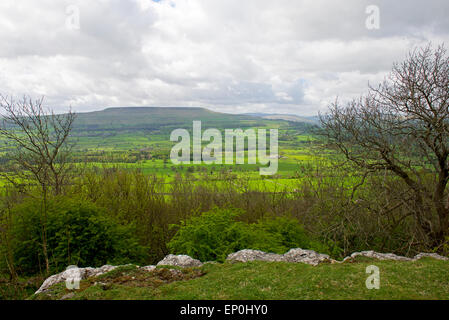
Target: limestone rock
430 255
179 261
73 274
391 256
376 255
94 272
294 255
84 273
254 255
306 256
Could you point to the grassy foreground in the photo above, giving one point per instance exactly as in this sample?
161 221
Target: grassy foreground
423 279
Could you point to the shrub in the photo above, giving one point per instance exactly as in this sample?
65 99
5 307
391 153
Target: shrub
78 233
217 233
291 234
211 236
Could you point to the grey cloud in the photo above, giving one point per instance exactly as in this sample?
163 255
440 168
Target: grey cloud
235 56
110 28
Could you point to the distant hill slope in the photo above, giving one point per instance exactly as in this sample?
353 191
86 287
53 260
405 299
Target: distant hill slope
286 117
157 117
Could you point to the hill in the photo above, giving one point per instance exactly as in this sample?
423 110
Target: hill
158 117
135 128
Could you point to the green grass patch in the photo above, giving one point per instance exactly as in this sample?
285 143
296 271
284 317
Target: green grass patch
423 279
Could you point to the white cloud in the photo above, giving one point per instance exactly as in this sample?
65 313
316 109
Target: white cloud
231 56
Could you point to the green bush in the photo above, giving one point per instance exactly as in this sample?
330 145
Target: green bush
78 233
217 233
211 236
291 234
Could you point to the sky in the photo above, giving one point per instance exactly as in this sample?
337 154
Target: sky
235 56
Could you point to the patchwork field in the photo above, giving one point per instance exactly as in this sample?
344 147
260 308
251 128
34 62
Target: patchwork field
111 138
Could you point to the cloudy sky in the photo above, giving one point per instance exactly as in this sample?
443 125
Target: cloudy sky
277 56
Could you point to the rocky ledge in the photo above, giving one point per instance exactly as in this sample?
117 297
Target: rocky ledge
294 255
180 261
74 273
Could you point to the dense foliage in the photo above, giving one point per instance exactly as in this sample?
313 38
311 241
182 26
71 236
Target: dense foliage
78 233
217 233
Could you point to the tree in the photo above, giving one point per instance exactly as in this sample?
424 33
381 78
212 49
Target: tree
402 127
40 149
40 141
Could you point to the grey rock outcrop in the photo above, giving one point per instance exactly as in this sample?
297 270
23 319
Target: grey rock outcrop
73 274
376 255
313 258
391 256
306 256
94 272
180 261
84 273
430 255
254 255
294 255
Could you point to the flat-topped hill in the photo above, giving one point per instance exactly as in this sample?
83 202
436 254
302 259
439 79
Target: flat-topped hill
155 117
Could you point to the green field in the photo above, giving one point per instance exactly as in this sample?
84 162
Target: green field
139 138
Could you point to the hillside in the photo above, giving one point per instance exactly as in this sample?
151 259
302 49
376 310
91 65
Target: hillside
156 117
285 117
136 128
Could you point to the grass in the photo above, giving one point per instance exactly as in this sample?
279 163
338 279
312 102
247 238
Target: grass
423 279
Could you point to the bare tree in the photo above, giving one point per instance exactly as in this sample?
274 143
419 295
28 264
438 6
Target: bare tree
40 141
41 152
402 127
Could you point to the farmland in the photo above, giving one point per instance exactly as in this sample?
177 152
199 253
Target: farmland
140 139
